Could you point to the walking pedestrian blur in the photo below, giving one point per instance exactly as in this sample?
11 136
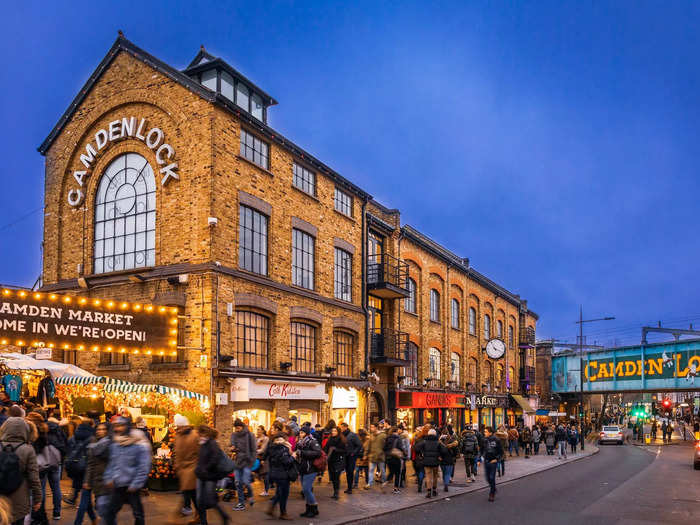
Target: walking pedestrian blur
447 463
283 470
127 470
353 451
432 452
502 435
526 437
98 457
417 457
395 454
261 442
561 438
76 459
49 459
375 454
513 436
186 455
362 464
493 449
208 471
308 451
335 448
19 478
469 447
536 437
245 449
573 438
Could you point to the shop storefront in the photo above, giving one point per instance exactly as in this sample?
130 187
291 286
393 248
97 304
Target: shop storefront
521 410
345 403
418 408
259 402
486 409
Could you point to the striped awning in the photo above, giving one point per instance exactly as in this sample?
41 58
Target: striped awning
73 380
182 393
118 385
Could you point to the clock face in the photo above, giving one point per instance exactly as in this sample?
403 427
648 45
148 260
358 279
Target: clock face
495 348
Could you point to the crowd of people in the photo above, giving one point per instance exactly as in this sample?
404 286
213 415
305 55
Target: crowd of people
109 462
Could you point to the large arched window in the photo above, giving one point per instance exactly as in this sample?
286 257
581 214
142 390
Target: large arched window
499 329
472 321
410 372
487 327
125 215
302 347
410 301
455 368
434 362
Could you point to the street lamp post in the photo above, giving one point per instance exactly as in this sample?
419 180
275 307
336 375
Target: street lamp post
580 365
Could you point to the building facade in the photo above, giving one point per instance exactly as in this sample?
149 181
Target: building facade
298 294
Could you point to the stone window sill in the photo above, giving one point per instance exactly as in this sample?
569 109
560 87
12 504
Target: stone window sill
260 168
181 365
114 367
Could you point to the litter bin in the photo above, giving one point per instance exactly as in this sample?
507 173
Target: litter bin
647 439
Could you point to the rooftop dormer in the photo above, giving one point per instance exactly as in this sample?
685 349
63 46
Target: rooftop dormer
215 74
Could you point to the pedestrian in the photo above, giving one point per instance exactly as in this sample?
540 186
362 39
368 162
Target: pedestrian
185 461
244 447
98 457
208 472
561 438
19 481
502 434
375 454
127 470
417 458
85 505
406 447
261 442
513 436
283 470
308 451
654 429
394 453
573 438
76 459
469 447
336 449
493 449
293 425
49 460
536 436
432 452
362 464
353 451
447 463
526 437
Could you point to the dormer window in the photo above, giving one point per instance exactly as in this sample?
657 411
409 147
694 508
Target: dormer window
227 85
256 106
242 98
209 79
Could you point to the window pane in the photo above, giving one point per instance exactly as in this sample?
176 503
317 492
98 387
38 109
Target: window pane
257 107
302 259
251 340
254 149
343 350
242 98
410 301
343 275
227 85
209 79
252 240
343 202
302 347
304 179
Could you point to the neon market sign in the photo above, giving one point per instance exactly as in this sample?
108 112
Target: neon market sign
630 368
117 130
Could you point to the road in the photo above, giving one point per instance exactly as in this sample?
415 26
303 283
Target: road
621 485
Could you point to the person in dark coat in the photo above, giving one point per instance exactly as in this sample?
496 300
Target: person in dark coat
432 452
308 449
354 451
98 457
76 460
279 457
335 449
493 450
207 473
395 454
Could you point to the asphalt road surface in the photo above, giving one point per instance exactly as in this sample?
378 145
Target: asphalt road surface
620 485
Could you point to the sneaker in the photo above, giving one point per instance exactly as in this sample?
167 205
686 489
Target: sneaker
57 517
68 501
264 493
240 506
186 511
396 491
367 487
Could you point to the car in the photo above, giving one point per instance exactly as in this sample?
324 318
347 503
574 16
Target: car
611 433
696 455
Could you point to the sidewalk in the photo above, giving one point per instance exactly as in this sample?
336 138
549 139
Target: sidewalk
676 439
361 504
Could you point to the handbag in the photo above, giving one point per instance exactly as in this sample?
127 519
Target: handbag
225 465
396 453
321 462
207 497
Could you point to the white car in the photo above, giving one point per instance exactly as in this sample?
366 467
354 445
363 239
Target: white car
611 433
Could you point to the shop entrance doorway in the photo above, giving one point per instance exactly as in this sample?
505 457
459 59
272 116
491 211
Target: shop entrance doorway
376 408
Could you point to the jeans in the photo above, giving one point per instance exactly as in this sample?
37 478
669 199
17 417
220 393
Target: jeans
562 448
447 471
350 469
537 447
243 483
420 474
85 506
102 505
335 479
281 494
572 444
53 476
307 486
358 472
500 466
513 444
373 469
490 469
188 497
431 477
119 497
394 470
528 449
476 464
470 466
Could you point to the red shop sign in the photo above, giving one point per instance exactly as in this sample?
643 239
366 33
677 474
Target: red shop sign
429 400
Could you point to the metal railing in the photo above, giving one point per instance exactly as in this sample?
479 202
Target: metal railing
387 343
384 268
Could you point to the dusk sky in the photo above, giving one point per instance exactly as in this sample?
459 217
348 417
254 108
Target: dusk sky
554 144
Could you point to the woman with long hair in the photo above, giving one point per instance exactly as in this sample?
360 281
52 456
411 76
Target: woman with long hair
335 449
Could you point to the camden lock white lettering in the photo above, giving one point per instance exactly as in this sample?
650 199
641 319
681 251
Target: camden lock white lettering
126 127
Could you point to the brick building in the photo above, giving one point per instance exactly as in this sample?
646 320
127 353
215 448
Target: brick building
168 186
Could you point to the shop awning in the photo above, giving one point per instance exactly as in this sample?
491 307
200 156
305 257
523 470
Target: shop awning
541 412
523 403
117 385
359 384
17 361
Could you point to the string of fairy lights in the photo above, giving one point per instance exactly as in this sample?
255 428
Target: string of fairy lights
117 306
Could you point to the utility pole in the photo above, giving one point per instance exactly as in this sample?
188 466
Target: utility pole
580 365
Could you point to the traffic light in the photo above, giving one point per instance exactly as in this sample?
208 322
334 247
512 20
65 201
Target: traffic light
667 403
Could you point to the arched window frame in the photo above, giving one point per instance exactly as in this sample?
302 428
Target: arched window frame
487 327
435 362
455 313
455 368
434 305
499 329
410 305
302 346
472 320
410 372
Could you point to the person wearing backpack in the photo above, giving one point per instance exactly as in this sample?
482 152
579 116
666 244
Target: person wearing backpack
127 470
76 460
208 472
469 447
307 454
19 473
283 470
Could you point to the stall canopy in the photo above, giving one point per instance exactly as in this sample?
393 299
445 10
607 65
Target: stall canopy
523 403
17 361
117 385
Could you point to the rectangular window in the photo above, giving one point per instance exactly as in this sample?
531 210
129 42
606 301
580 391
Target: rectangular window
434 362
410 301
252 340
344 344
343 275
455 365
254 149
304 179
113 358
455 314
256 106
410 372
303 259
435 306
343 202
242 96
302 347
209 79
227 85
252 240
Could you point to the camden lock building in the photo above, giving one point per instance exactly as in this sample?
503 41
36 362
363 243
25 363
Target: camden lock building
296 292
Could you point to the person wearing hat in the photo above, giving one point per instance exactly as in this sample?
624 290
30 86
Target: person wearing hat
432 451
186 456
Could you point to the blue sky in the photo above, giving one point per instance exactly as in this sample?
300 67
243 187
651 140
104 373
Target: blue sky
553 143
